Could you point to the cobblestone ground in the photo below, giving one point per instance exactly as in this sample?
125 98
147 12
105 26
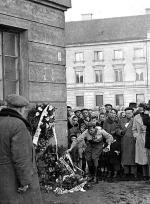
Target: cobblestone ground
105 193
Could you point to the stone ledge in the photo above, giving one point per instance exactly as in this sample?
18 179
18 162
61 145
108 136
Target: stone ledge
60 4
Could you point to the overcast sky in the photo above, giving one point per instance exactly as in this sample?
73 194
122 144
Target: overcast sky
106 8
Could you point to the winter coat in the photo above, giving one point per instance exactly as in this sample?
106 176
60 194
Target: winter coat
114 128
128 144
146 122
139 131
17 161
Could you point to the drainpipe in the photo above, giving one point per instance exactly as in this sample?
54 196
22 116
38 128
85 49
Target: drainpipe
147 61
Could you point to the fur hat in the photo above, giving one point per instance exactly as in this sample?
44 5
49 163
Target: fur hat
16 101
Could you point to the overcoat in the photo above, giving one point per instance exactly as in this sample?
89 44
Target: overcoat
128 144
139 132
146 122
114 128
17 161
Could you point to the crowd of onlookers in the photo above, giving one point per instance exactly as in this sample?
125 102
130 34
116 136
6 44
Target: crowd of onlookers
129 154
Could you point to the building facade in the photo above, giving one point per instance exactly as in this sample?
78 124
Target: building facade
108 61
32 54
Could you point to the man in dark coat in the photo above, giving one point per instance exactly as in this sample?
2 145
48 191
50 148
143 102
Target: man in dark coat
113 127
128 145
146 122
18 173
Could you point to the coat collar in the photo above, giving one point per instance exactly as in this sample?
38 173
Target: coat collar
130 123
12 113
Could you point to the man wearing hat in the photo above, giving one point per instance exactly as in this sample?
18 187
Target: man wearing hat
18 174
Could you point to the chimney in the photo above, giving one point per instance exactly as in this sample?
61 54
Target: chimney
87 16
147 11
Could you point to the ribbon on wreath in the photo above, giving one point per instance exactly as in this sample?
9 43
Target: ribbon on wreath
38 130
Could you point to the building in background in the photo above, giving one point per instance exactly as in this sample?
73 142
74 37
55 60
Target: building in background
32 54
108 61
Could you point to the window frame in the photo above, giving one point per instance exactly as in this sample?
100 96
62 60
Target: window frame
99 104
120 77
23 58
136 55
140 94
77 97
80 60
117 95
96 55
16 56
115 55
100 76
142 72
80 82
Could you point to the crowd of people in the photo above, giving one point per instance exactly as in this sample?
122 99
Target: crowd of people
111 144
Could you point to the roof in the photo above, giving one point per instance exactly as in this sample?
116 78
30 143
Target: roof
107 30
66 3
61 3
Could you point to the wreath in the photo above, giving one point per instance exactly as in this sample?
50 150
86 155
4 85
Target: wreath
55 169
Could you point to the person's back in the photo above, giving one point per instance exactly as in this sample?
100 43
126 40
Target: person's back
18 174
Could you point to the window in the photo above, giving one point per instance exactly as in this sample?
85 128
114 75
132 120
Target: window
9 61
98 56
79 57
138 52
99 100
118 75
79 77
119 100
140 98
139 75
98 76
118 54
79 101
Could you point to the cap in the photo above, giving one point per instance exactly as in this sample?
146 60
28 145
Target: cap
91 124
15 100
78 110
84 109
132 105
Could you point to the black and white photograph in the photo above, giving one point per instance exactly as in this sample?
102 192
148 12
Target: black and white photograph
74 101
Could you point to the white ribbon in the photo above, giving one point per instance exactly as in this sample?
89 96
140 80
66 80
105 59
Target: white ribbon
54 132
38 130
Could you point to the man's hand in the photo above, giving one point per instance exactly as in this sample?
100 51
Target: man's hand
23 189
106 149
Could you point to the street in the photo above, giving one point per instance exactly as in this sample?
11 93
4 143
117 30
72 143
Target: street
105 193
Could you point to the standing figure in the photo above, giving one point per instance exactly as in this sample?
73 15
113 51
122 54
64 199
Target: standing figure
128 145
112 126
18 173
146 122
139 132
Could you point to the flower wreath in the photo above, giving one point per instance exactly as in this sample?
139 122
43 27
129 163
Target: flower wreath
57 174
42 118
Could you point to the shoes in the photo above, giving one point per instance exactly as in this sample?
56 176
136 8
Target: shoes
145 178
95 179
125 177
109 174
115 174
147 182
90 179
